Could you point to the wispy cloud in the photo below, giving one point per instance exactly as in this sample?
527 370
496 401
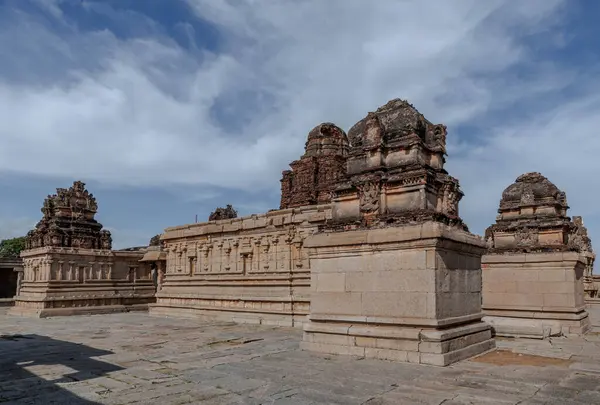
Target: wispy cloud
144 110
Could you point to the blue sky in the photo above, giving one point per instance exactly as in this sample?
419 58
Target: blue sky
169 108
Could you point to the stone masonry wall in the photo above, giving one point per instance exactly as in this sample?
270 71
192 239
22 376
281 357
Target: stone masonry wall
250 269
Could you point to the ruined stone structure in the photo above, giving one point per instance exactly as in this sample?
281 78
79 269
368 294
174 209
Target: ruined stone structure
69 267
368 253
395 172
314 176
252 269
223 213
536 264
395 274
386 270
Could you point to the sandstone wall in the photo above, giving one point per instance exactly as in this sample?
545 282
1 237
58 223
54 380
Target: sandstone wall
66 281
252 269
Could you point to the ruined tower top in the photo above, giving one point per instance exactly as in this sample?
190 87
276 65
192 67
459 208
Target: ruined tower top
533 217
312 178
532 194
69 221
395 171
326 139
397 122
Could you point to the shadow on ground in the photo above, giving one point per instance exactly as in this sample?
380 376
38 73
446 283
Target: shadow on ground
37 369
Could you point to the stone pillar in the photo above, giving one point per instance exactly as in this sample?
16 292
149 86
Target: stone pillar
20 272
409 294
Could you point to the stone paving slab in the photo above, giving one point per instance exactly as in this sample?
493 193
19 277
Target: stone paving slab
133 358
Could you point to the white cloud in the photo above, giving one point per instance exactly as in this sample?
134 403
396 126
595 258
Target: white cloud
141 111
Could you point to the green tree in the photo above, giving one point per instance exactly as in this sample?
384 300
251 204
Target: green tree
12 247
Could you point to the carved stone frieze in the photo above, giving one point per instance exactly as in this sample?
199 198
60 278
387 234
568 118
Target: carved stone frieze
369 196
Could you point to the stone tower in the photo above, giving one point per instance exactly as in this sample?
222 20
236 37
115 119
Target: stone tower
314 175
533 272
69 267
395 171
394 273
69 221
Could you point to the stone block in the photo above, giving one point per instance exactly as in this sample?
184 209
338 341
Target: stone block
396 287
539 299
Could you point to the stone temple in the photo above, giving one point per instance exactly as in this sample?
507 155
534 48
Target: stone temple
367 254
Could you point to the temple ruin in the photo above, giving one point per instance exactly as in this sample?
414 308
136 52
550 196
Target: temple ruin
69 267
395 273
536 264
367 253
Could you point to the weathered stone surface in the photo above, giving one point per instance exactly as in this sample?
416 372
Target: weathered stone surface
314 176
69 267
395 172
395 275
69 221
136 359
223 213
410 294
250 269
538 263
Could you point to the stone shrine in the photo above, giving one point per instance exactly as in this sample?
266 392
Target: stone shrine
536 263
395 274
69 267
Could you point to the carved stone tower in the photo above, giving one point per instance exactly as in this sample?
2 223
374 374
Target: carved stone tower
315 174
537 259
69 267
69 221
395 171
394 273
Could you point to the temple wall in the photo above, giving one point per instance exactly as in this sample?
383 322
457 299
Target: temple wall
66 281
252 269
593 304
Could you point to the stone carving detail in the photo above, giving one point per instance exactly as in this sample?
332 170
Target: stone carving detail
578 237
526 237
369 195
452 196
403 153
267 252
68 221
533 211
314 176
223 213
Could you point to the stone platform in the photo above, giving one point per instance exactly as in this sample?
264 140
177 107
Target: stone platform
136 359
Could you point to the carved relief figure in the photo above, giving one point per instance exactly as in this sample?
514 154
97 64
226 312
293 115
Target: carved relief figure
369 196
526 237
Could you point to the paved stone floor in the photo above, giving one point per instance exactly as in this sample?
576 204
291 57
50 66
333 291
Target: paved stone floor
136 359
